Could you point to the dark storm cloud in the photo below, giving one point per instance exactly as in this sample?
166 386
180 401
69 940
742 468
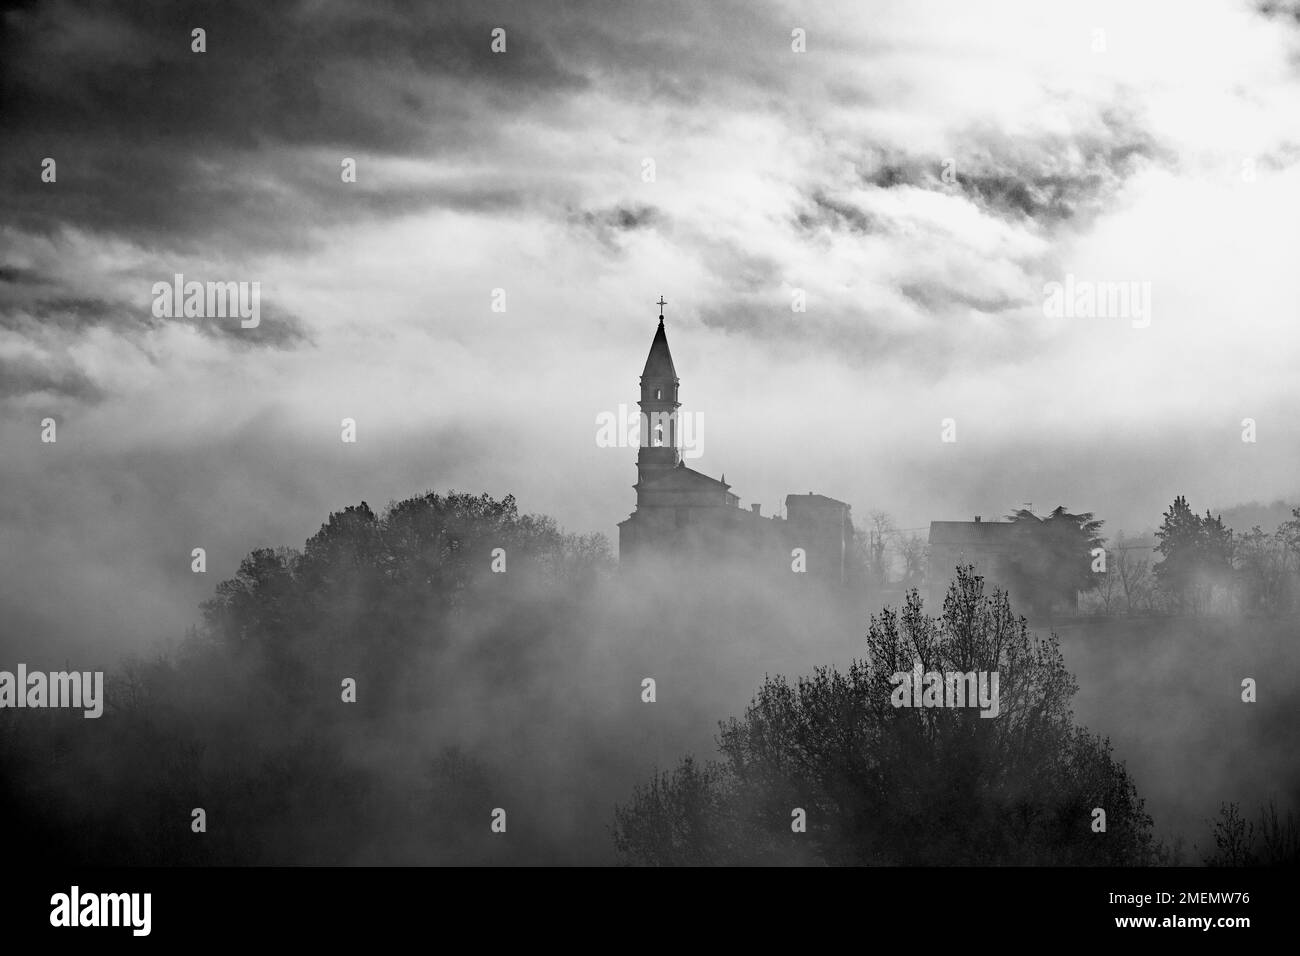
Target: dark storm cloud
305 75
894 174
159 199
57 313
238 147
1018 178
17 275
29 375
236 151
626 218
170 147
278 329
50 323
1280 9
232 203
74 315
1048 198
45 317
934 297
1039 184
164 145
838 215
608 225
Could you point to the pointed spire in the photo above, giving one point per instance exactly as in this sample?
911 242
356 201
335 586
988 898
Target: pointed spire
659 363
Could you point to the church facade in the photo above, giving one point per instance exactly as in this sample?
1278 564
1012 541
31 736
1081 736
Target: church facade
683 514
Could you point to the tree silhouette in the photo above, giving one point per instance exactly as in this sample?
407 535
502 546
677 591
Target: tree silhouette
887 785
1053 560
1196 556
369 591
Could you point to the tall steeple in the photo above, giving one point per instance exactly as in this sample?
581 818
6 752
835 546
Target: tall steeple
659 433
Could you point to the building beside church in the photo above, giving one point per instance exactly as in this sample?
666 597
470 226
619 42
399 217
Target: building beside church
993 547
1010 555
684 514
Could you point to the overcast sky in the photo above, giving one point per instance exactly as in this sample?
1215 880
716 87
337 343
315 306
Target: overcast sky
1154 143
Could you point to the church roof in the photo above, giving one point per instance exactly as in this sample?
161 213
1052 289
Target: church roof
659 363
682 476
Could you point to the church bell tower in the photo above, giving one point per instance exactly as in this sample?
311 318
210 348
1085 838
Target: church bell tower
659 452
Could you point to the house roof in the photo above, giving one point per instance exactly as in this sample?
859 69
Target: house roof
970 532
819 499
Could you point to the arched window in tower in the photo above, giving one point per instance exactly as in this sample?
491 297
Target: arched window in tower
659 433
659 394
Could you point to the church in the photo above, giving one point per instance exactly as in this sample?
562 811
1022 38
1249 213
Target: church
682 514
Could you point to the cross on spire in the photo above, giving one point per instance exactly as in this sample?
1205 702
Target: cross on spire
661 305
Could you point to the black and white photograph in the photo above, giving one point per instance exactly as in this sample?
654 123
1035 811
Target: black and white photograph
566 435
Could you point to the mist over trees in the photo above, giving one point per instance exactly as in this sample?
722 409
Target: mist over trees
1196 556
1205 565
497 662
884 785
370 593
1191 564
1131 571
1054 558
1271 839
886 561
248 717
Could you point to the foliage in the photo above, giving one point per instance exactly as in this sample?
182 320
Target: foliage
1053 560
369 592
1271 840
1196 556
887 785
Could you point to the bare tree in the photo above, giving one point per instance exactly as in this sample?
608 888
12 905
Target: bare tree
1134 572
1109 588
880 527
1262 565
915 552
